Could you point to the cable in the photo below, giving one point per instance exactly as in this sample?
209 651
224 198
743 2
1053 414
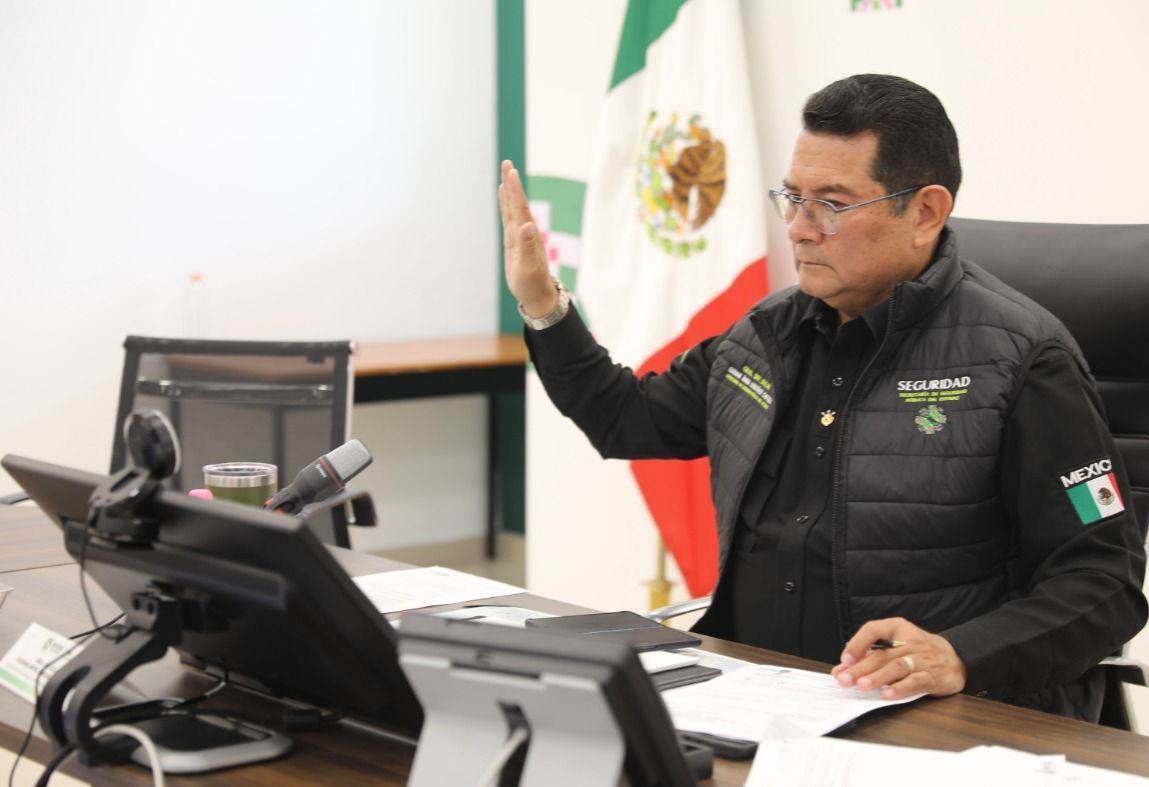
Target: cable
89 632
145 741
82 638
57 760
216 689
306 719
516 739
91 524
35 711
139 735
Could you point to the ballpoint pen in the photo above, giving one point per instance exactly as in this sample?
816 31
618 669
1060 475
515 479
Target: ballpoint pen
886 644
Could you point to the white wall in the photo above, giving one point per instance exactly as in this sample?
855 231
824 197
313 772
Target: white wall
327 166
1046 98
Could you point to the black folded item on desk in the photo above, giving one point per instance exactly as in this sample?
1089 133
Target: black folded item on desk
683 676
628 627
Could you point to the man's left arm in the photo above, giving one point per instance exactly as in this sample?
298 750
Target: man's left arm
1079 559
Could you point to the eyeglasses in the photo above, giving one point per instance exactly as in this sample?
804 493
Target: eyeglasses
825 216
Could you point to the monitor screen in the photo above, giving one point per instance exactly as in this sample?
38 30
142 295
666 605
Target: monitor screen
261 600
583 703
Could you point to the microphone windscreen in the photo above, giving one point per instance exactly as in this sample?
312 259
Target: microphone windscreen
349 459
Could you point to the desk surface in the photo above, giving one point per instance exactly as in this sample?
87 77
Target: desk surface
29 540
433 355
351 754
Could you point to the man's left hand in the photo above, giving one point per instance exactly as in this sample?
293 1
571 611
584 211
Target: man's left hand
918 662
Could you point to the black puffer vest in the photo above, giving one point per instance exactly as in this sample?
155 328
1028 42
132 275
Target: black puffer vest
919 528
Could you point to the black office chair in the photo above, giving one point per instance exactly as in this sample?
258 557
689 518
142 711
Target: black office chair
1095 279
281 402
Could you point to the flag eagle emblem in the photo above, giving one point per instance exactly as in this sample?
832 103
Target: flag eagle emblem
681 177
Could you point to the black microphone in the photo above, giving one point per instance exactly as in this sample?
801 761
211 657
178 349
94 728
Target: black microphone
322 478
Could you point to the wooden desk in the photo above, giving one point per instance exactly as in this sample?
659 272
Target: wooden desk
29 540
489 365
354 755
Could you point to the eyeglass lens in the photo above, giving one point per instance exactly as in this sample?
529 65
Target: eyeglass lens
818 214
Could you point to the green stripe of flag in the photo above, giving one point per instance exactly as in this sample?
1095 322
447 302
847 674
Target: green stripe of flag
1082 498
645 21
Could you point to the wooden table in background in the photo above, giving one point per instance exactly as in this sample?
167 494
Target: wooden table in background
355 754
488 365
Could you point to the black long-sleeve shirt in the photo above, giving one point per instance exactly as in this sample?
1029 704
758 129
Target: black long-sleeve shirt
778 583
1077 575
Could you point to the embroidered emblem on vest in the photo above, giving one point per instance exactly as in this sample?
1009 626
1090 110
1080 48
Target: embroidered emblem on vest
931 419
752 384
827 417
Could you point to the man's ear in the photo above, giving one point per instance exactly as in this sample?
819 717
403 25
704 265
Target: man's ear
931 206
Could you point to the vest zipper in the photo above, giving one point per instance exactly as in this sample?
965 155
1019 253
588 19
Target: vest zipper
837 505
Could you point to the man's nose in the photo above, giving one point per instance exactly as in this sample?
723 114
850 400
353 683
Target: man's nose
801 228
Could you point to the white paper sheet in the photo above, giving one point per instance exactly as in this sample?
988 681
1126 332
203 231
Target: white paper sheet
1057 770
415 588
715 660
832 762
762 702
662 660
36 656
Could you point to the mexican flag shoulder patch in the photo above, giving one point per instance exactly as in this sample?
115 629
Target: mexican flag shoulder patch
1093 491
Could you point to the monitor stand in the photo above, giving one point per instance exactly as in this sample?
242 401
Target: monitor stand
572 737
185 743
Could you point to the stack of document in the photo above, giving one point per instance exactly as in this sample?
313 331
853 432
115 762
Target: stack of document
788 711
831 762
761 702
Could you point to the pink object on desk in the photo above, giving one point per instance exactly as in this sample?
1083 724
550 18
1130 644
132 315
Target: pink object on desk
202 494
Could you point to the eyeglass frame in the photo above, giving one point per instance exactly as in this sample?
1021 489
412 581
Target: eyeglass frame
799 203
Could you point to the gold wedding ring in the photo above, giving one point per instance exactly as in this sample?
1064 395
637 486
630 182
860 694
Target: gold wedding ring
909 662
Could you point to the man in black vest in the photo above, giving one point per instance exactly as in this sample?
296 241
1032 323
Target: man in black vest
933 472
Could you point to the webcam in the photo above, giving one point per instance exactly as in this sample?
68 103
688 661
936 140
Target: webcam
117 509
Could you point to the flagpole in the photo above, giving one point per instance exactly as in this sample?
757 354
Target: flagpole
659 586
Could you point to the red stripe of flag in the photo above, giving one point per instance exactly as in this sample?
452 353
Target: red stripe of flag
678 492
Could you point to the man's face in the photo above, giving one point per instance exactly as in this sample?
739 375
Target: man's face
873 250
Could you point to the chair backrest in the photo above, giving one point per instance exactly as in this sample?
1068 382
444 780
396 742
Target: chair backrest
1095 279
280 402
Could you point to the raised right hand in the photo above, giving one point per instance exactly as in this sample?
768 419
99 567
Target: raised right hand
524 257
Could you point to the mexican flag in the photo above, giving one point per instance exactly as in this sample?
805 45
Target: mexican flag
1096 499
674 227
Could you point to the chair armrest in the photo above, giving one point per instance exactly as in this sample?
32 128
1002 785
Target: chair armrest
1128 670
681 608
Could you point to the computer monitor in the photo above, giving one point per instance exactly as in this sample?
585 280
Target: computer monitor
256 596
586 710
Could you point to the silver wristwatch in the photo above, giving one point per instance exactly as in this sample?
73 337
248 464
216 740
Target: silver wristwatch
554 315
